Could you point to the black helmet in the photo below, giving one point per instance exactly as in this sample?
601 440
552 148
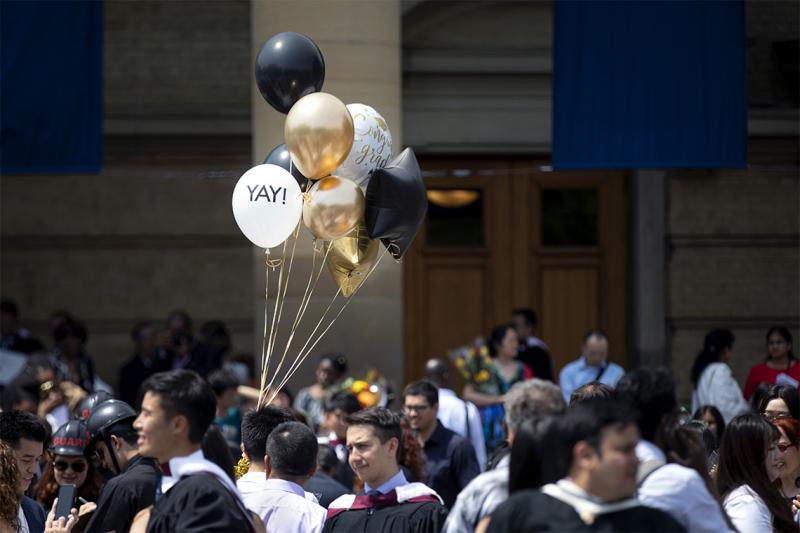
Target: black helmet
107 414
89 403
70 439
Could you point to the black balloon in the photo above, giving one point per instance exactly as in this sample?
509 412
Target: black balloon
396 203
279 156
289 66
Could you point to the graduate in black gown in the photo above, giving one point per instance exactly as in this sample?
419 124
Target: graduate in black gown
595 446
389 502
195 494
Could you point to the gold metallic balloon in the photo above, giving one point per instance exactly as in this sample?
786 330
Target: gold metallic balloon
319 134
333 207
350 259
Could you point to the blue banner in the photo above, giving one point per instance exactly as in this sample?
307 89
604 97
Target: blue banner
649 84
51 83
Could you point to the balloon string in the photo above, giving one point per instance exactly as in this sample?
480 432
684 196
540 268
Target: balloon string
264 363
272 330
283 301
304 306
304 354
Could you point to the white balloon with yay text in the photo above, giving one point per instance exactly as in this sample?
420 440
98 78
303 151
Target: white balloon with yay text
267 205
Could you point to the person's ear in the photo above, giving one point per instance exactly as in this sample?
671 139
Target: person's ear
180 425
393 445
267 465
244 453
584 456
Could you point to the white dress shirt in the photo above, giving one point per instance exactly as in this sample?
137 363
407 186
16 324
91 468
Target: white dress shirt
251 484
23 522
395 481
457 415
283 507
719 388
679 491
747 511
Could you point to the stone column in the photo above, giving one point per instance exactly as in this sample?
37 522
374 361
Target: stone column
361 44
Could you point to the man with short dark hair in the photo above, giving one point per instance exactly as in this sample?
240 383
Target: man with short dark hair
450 461
390 502
597 450
336 410
674 488
532 350
143 363
177 409
290 460
25 434
136 478
592 365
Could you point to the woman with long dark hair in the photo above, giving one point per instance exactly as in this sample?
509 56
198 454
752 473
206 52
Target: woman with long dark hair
712 419
748 466
779 364
780 400
713 379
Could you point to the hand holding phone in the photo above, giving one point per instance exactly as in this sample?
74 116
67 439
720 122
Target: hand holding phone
66 501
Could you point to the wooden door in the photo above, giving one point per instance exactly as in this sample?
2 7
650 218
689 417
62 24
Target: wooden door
501 234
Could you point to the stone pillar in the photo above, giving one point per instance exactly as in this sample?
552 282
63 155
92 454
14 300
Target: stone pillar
648 243
360 41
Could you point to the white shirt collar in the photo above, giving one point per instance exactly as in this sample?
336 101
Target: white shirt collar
647 451
23 521
285 486
447 392
192 464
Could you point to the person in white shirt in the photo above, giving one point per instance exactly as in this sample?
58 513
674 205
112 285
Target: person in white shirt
713 379
290 461
674 488
748 464
454 413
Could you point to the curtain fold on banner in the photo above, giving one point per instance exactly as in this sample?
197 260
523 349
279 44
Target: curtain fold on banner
51 104
656 84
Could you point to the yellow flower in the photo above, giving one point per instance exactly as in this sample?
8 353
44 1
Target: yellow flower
482 376
459 363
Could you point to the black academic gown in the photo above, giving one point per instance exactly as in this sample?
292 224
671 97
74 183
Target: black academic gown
423 517
532 510
125 495
199 503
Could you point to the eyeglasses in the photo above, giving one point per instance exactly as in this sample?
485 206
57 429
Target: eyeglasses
416 408
784 447
77 466
775 415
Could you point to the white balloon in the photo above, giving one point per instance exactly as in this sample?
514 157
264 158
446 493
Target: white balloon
267 205
372 145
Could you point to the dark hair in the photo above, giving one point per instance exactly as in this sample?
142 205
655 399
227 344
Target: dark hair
137 330
16 425
715 342
184 393
716 415
594 390
698 428
385 424
527 314
789 395
216 335
222 380
761 390
742 461
532 464
256 427
74 328
594 333
338 360
344 400
423 388
9 306
183 315
651 392
216 450
22 388
783 332
292 449
587 421
496 337
326 458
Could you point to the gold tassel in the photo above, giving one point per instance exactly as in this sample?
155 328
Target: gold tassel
241 467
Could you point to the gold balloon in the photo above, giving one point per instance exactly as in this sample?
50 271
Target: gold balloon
350 259
333 207
319 134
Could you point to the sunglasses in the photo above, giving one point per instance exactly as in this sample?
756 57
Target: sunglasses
77 467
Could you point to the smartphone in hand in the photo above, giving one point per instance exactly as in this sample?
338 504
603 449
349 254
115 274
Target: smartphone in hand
66 501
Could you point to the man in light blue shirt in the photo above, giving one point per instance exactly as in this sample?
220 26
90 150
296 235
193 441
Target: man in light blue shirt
591 366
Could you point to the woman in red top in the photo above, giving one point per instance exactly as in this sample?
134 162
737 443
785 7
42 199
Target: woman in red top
780 360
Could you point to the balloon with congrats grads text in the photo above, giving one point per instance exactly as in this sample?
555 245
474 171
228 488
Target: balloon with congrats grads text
372 145
319 134
333 207
281 157
396 203
289 66
267 205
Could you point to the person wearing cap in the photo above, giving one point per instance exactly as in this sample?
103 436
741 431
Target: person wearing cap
69 465
136 478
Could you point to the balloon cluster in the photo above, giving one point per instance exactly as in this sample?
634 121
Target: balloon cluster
335 171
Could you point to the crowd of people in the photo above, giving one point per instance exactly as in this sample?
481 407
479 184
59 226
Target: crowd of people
185 445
